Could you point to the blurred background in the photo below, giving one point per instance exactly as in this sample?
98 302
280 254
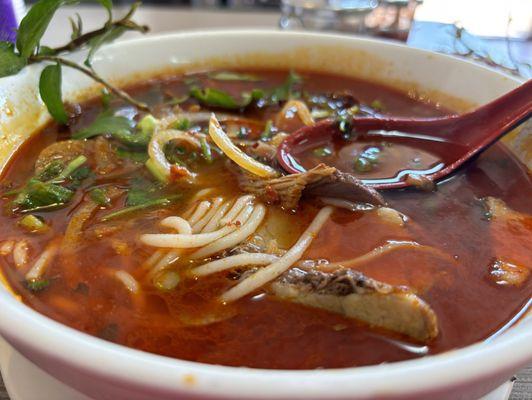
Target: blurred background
495 32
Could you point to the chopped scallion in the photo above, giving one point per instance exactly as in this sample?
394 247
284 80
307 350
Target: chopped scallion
149 204
33 224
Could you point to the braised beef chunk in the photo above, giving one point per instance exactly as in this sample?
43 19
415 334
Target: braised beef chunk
285 190
357 296
345 186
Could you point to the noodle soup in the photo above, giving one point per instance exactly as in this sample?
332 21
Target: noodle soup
177 233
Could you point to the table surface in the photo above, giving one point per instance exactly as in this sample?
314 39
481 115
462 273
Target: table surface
162 19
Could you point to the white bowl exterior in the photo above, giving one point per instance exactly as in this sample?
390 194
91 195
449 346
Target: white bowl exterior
105 370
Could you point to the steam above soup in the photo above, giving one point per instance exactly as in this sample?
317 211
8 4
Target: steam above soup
176 232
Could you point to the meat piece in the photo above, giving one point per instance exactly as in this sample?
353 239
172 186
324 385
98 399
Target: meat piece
104 156
285 190
510 234
356 296
345 186
64 151
508 274
101 155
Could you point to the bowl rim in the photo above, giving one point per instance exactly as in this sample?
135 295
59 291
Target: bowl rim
20 323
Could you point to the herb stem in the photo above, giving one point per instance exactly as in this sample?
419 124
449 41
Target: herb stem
67 63
81 40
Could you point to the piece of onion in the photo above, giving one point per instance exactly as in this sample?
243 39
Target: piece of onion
248 163
156 147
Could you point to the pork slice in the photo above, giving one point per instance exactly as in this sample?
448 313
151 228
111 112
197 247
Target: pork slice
357 296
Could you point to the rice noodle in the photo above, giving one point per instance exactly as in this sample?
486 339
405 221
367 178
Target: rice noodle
387 248
200 194
41 264
214 222
154 258
246 162
129 282
6 247
179 224
20 253
216 204
234 261
233 212
275 269
183 241
233 238
200 211
169 258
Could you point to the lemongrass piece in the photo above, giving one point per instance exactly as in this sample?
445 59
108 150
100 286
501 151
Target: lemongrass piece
234 238
272 271
238 260
225 144
237 207
183 241
41 264
200 211
129 282
214 222
159 139
216 203
21 253
179 224
7 247
390 246
296 107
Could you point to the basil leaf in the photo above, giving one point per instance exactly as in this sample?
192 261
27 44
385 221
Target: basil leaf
233 76
34 24
214 98
50 91
105 124
286 90
219 98
10 63
97 42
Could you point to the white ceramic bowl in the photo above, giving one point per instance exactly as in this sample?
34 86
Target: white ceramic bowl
108 371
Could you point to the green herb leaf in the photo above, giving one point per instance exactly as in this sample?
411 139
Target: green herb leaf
77 27
181 124
37 285
99 196
50 91
51 171
71 167
97 42
34 24
287 90
10 62
268 131
106 124
233 76
108 4
215 98
136 156
37 195
206 150
152 203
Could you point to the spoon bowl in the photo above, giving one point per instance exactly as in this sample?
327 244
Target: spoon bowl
455 139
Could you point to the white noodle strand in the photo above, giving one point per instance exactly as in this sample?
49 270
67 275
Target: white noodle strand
234 261
233 238
129 282
41 264
20 253
275 269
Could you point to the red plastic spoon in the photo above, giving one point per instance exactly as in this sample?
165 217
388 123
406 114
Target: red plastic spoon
467 134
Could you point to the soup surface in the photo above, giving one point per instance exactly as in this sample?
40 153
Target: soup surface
86 238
